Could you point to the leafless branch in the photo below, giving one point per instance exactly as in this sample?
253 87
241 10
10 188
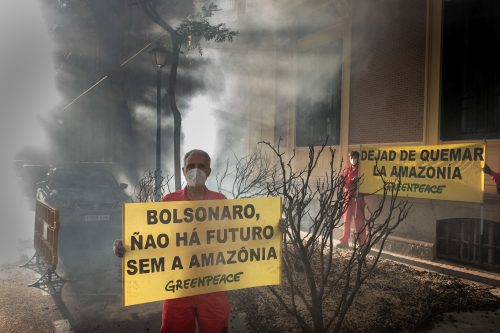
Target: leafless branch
144 191
320 282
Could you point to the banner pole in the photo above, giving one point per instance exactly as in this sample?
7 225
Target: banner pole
481 231
481 226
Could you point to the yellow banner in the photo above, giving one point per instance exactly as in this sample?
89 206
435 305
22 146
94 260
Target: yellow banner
441 172
184 248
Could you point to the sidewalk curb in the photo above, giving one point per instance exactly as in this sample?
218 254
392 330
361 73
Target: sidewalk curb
463 272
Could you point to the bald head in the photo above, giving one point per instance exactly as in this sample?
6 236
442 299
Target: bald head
197 152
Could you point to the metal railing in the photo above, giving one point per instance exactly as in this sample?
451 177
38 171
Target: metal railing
46 233
45 259
464 241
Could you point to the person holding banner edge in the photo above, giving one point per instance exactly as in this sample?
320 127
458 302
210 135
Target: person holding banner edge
494 175
355 204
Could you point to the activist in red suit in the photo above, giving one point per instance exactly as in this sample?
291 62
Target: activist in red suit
211 311
356 204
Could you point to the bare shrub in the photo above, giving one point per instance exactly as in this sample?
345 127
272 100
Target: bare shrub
246 177
144 191
318 287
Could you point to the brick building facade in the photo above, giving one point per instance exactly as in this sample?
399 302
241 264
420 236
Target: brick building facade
391 93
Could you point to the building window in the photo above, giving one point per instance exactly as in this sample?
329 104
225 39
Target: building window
464 240
470 99
317 111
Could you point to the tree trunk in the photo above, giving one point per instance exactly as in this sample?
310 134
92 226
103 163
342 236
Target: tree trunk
150 10
177 115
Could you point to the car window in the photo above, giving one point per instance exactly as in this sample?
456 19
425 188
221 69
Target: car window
65 179
81 177
101 179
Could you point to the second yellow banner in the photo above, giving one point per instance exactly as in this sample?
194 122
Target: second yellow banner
442 172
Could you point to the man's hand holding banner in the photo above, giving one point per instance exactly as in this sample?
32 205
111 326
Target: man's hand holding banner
184 248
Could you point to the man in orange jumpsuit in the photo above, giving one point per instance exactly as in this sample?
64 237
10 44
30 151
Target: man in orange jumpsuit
210 311
355 206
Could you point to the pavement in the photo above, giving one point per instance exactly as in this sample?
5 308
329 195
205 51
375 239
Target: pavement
87 302
24 309
91 303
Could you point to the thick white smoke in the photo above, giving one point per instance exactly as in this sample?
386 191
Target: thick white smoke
27 89
251 84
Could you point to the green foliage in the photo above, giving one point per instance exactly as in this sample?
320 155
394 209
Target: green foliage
209 11
194 28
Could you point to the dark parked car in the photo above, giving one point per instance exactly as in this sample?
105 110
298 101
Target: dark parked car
83 193
90 201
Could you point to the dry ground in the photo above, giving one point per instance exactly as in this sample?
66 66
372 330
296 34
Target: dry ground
24 309
397 298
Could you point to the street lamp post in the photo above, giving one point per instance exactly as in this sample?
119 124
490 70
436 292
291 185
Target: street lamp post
159 59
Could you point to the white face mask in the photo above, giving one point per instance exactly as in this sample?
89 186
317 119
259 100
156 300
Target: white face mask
354 161
196 177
